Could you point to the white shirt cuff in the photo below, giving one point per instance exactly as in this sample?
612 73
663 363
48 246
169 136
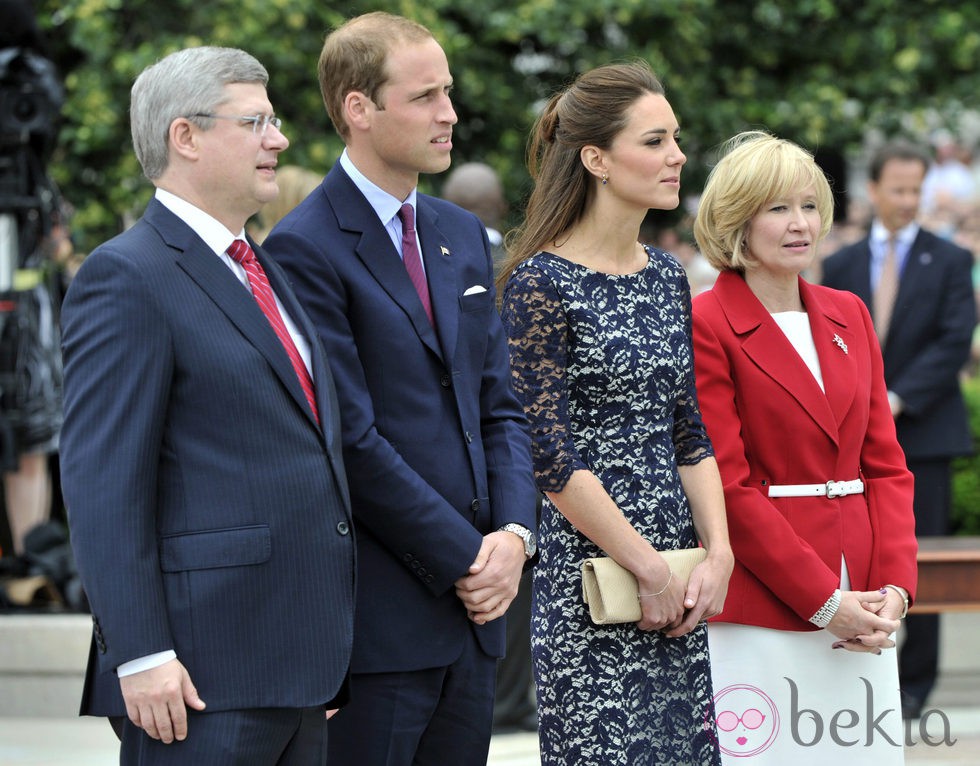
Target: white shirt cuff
148 662
895 402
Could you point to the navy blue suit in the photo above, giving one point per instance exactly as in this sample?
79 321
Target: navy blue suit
435 442
927 345
209 512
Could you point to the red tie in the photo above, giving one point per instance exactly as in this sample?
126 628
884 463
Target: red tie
262 292
412 259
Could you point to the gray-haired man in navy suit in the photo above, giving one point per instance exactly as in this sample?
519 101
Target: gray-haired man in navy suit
201 458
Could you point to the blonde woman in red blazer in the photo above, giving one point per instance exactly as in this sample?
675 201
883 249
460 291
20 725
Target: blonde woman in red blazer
818 497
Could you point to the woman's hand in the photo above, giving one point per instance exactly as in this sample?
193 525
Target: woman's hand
706 591
661 597
862 622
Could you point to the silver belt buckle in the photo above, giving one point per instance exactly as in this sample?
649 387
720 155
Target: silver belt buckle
835 489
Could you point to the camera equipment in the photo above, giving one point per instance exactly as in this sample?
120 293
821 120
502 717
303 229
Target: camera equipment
30 102
30 367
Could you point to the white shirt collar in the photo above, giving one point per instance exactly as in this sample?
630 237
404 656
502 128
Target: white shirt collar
214 233
384 204
903 237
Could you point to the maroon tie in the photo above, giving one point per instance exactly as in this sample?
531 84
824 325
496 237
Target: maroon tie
412 259
262 292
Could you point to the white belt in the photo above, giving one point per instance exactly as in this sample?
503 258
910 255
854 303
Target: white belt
828 489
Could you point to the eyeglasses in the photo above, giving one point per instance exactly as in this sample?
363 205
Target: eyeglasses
750 719
259 121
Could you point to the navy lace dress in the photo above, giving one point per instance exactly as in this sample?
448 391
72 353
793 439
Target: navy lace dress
604 366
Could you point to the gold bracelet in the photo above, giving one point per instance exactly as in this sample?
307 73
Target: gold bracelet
661 591
905 600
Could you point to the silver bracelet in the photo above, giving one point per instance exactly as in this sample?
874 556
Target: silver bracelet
661 591
826 613
905 600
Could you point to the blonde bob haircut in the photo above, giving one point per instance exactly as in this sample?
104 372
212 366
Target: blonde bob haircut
755 169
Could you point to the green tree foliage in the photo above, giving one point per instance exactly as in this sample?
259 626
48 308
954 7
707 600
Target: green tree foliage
966 470
822 72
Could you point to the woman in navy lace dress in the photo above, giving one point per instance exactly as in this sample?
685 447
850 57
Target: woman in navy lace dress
601 350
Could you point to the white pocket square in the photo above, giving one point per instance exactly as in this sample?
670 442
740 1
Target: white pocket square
476 289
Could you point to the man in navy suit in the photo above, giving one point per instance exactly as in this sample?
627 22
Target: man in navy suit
924 325
201 457
435 442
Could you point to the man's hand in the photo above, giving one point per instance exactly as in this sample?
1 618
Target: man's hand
156 698
493 577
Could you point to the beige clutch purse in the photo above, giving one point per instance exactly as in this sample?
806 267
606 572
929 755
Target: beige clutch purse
610 591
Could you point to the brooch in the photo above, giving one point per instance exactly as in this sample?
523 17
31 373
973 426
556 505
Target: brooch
840 342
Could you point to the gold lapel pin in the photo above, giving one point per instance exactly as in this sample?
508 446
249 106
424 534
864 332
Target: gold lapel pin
445 250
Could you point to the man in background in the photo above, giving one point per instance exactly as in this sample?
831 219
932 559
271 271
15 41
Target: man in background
919 290
475 186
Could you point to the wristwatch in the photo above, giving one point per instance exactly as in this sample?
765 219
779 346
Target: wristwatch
530 544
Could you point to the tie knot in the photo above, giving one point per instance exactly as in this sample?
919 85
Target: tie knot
240 251
407 214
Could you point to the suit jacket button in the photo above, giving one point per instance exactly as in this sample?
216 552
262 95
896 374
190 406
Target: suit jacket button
475 506
343 527
409 557
445 380
430 578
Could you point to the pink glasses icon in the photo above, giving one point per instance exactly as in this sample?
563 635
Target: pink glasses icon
750 719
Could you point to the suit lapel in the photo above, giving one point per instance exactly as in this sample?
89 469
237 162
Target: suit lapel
862 273
441 273
836 345
217 281
378 254
321 378
768 347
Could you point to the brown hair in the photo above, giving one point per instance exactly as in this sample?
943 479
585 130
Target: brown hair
354 58
592 111
895 150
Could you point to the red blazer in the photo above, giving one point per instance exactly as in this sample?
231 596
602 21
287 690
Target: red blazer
770 423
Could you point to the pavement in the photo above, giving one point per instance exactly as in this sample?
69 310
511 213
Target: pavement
948 733
90 742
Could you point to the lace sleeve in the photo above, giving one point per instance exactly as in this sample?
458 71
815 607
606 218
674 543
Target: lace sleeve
691 443
537 330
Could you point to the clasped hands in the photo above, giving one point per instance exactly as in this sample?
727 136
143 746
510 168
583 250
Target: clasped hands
865 620
493 578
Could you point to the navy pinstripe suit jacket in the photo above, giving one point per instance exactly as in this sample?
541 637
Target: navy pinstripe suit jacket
208 511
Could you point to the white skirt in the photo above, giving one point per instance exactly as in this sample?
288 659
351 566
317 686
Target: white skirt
788 698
